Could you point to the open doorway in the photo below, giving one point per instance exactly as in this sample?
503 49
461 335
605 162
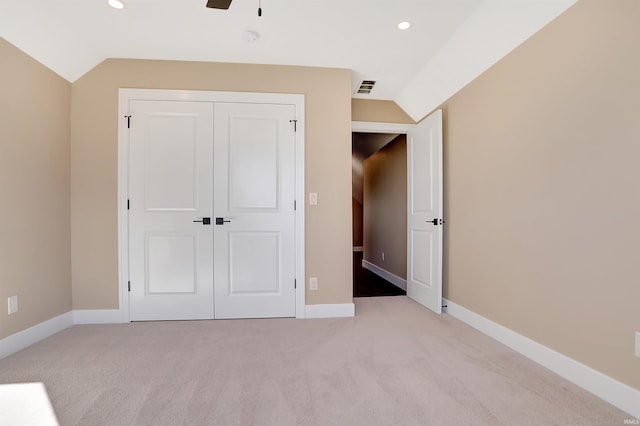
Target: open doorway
379 208
424 214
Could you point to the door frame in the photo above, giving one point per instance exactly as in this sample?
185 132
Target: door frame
125 96
377 127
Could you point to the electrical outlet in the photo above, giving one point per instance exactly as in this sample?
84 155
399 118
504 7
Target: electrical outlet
313 198
313 283
638 344
12 303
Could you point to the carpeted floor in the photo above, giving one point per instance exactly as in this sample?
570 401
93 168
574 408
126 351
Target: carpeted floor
395 363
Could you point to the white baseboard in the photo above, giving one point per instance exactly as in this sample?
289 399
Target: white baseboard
614 392
392 278
28 337
339 310
97 316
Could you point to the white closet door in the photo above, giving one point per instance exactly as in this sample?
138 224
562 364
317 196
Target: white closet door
254 176
170 189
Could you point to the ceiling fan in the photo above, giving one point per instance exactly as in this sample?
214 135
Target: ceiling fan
224 4
219 4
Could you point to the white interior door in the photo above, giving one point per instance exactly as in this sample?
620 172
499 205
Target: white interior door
254 178
424 222
170 187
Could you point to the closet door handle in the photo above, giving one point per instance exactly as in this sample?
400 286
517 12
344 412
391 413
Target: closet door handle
221 221
204 221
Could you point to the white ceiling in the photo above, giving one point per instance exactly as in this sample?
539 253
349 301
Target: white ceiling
449 43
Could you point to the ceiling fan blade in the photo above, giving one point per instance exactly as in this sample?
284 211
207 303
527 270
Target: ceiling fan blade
219 4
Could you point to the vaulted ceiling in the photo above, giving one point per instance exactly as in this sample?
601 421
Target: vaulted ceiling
449 43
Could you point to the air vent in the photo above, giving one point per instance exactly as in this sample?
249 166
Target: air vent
366 87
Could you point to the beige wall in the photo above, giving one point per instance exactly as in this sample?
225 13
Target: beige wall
542 188
34 171
94 143
378 111
385 207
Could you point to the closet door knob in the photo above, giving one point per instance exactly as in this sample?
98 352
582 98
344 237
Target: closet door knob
204 221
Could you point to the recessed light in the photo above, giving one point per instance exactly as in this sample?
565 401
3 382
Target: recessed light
116 4
404 25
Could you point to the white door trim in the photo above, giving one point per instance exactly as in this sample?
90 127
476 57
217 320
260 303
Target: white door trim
127 95
375 127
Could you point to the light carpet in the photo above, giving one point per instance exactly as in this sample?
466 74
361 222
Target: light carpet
395 363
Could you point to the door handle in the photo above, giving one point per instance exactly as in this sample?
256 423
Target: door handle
221 221
436 221
204 221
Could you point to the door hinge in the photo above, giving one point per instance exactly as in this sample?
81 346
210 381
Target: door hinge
127 204
295 283
294 205
128 285
295 125
128 117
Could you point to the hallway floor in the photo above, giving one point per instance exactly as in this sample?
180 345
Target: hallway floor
368 284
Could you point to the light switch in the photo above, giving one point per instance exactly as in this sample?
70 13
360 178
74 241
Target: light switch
313 198
12 303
